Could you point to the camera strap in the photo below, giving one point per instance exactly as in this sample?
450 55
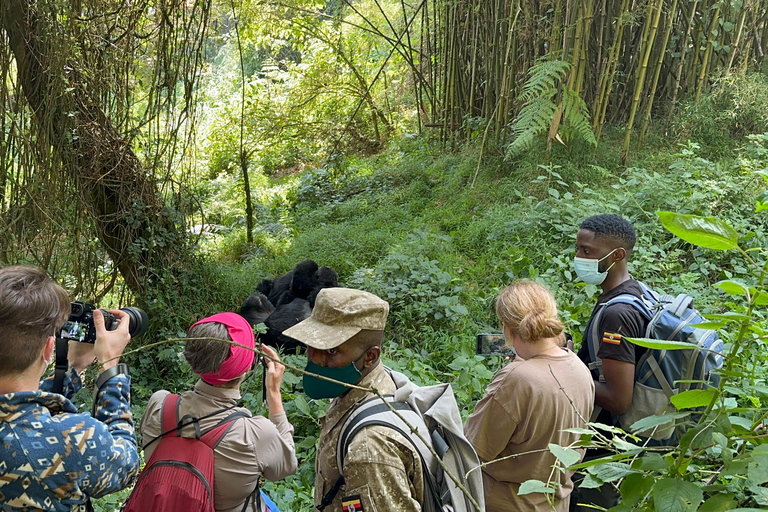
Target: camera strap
62 364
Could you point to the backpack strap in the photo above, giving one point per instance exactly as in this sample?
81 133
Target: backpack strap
170 415
214 436
593 336
656 369
374 412
643 305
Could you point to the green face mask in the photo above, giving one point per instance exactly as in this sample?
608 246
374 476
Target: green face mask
315 387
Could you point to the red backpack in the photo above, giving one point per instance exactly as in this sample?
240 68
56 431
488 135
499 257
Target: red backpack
179 474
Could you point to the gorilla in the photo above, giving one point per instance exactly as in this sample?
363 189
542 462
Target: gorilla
287 300
296 283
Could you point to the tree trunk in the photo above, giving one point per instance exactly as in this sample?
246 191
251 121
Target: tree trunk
130 216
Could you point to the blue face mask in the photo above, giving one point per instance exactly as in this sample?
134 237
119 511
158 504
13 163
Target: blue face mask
315 387
588 269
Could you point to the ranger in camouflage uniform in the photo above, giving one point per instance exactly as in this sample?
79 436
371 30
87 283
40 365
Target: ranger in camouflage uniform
53 458
382 470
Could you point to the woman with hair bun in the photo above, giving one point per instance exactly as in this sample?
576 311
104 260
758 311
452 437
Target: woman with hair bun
529 403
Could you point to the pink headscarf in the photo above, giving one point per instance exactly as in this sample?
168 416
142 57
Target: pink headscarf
239 360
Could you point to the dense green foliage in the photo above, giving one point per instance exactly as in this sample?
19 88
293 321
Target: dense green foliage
182 152
406 224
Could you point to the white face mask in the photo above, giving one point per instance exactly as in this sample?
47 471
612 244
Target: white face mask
587 269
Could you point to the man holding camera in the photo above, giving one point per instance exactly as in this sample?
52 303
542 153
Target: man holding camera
51 457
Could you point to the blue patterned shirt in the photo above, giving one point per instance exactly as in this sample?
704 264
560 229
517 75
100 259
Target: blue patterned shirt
53 458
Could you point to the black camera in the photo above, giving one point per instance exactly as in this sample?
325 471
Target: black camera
79 326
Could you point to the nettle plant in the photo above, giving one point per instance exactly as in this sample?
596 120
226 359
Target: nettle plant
721 462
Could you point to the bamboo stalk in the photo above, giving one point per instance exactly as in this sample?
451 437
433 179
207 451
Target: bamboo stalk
659 65
608 78
737 41
707 53
646 48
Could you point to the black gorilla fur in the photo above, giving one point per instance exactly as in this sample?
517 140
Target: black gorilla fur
289 300
256 308
326 278
284 317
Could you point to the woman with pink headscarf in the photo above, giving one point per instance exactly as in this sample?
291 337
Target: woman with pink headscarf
254 445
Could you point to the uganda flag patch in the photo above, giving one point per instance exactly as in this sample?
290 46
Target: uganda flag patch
351 504
612 338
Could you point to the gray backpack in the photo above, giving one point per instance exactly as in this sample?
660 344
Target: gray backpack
433 411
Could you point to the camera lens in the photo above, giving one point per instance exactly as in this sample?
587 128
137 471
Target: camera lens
139 321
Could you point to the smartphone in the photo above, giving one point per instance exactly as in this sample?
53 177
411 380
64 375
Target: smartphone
493 345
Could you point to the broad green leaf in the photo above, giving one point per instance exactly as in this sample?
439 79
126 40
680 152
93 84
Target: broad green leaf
728 316
693 398
661 344
591 482
736 467
651 462
760 494
741 422
674 495
605 460
302 405
634 488
757 471
707 232
623 445
582 431
612 471
567 456
650 422
606 428
759 297
719 503
710 325
733 287
531 486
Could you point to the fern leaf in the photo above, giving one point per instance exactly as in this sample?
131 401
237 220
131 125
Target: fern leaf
543 77
576 118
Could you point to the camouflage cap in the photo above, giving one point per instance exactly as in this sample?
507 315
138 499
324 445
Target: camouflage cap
339 314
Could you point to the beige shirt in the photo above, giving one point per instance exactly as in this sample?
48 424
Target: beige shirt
253 446
523 410
382 467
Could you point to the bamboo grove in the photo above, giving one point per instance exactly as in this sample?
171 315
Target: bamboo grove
629 60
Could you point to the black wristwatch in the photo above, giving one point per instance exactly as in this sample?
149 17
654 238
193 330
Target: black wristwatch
111 372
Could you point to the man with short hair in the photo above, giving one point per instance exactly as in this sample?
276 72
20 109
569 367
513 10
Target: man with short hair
52 457
603 246
382 469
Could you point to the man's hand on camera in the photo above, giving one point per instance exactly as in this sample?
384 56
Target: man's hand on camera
109 345
80 355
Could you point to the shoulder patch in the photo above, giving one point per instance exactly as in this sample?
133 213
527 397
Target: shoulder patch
352 503
612 338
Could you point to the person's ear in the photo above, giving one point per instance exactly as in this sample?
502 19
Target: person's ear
372 356
619 254
48 349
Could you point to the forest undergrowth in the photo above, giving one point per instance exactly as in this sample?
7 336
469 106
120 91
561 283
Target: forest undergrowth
438 234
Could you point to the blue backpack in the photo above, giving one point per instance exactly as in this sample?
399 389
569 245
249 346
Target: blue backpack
661 374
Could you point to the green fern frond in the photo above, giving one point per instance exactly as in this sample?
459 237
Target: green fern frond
543 78
533 120
576 119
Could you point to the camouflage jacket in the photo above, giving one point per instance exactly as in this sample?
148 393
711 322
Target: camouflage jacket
382 470
53 458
